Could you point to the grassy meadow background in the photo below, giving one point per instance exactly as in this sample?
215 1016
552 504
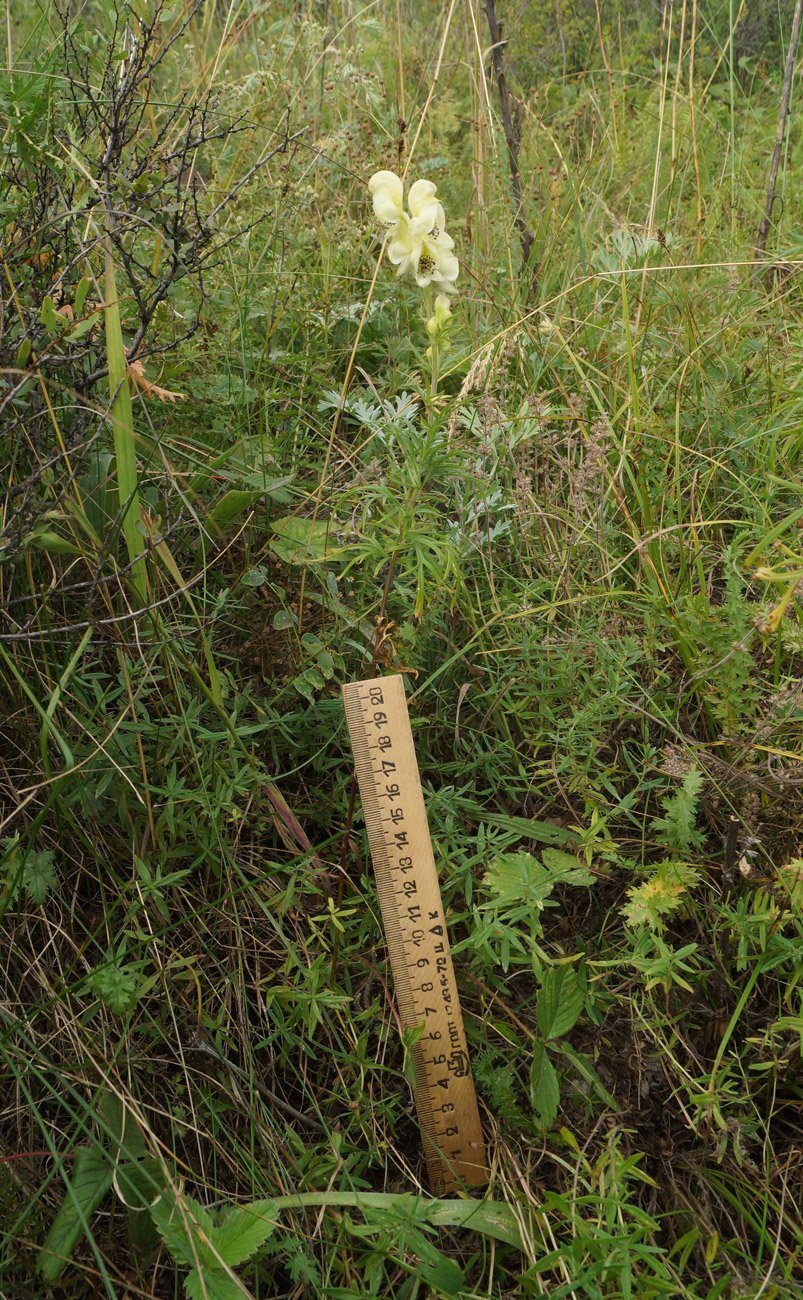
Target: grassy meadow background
225 490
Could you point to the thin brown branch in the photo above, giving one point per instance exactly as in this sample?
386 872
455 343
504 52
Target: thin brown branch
764 228
529 271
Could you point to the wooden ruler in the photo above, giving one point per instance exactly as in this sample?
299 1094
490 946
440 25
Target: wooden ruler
415 928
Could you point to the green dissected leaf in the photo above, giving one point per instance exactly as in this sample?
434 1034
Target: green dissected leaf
243 1230
117 986
565 868
298 541
519 878
39 876
662 895
561 998
677 830
544 1087
90 1181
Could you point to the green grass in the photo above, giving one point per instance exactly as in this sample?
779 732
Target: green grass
584 553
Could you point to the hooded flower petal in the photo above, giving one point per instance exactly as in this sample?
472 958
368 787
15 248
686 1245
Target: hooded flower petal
425 208
388 194
434 262
404 245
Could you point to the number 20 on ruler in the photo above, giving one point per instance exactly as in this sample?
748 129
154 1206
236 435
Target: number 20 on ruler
415 928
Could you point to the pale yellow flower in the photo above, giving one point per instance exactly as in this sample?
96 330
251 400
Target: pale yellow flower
433 262
424 207
387 193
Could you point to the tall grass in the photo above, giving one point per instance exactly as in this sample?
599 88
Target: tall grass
585 557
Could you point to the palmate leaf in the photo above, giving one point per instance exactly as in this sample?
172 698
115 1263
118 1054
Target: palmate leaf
90 1181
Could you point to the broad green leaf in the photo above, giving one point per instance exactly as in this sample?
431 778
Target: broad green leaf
586 1070
81 291
139 1183
491 1218
298 541
49 541
255 577
214 1285
544 1088
243 1230
560 1000
233 503
90 1181
444 1275
84 326
53 323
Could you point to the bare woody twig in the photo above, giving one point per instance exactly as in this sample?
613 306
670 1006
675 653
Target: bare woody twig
529 271
764 228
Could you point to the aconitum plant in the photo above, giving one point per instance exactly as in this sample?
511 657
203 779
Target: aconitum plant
418 245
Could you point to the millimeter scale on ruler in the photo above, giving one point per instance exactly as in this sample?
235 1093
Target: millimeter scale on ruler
415 929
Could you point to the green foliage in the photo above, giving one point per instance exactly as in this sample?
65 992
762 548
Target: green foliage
662 895
677 829
89 1182
582 553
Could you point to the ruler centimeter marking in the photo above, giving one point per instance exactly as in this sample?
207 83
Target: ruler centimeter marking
415 929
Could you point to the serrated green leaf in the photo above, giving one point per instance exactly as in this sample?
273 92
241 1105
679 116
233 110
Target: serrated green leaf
544 1087
214 1285
243 1230
181 1225
39 876
90 1181
560 1000
566 868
